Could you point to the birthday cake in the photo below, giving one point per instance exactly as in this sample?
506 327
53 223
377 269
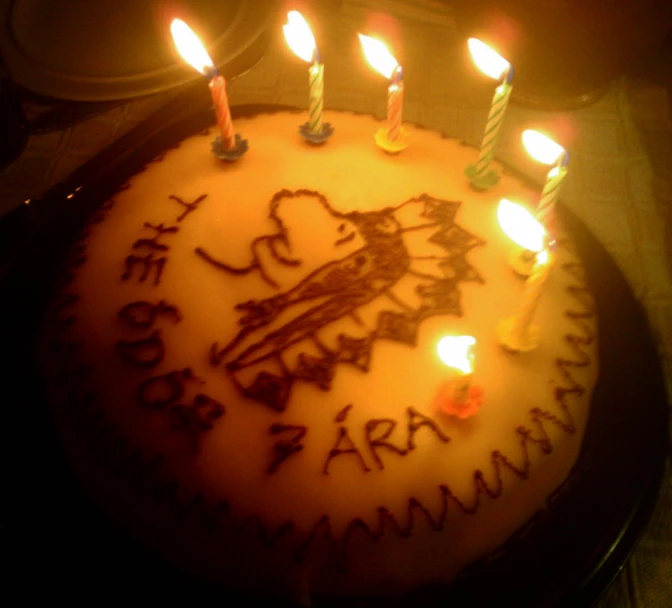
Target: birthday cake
242 361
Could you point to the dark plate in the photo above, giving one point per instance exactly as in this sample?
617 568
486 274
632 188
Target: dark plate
62 551
102 51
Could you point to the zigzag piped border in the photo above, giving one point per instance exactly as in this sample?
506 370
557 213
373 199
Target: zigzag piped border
146 472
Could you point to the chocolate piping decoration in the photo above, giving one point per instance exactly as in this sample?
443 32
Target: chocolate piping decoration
337 450
186 418
161 156
148 262
338 288
266 536
381 440
254 265
100 214
284 448
152 242
343 414
188 207
270 389
321 530
142 314
215 410
145 353
145 472
416 421
59 310
172 382
319 370
76 255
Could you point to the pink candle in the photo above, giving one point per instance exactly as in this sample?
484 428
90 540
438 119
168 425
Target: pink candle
220 100
228 146
395 100
393 137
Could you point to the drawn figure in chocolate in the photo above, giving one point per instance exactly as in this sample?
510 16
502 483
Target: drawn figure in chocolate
358 258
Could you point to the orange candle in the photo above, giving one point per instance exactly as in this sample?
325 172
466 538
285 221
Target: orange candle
228 146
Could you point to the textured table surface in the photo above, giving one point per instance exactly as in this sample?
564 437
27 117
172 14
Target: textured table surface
619 183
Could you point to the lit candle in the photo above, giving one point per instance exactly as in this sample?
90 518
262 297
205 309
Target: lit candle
300 39
493 65
516 219
545 150
228 145
457 397
518 333
393 138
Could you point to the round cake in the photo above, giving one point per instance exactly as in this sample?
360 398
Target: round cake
242 362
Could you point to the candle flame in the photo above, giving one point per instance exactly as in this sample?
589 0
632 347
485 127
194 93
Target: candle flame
542 148
298 36
190 47
458 352
378 56
521 226
487 60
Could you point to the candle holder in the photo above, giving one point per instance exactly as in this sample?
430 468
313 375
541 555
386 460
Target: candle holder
515 338
229 154
392 146
521 260
316 138
484 181
459 398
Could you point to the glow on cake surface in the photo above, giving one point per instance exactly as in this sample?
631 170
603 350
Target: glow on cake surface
266 331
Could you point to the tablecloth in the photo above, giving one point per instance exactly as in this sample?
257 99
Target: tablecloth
619 182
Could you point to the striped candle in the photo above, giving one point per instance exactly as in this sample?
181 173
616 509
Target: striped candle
549 194
392 137
220 100
228 146
316 96
495 118
395 100
521 321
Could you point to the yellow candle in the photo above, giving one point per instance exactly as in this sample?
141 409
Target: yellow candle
518 333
